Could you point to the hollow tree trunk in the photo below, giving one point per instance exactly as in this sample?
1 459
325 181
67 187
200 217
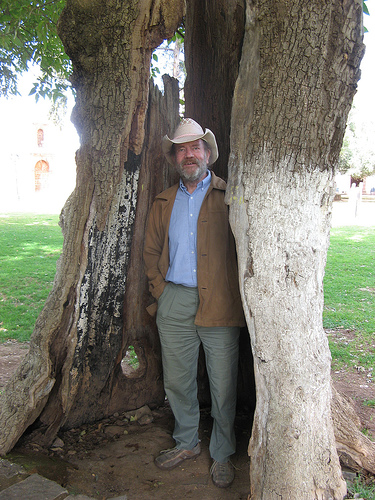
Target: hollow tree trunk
297 78
299 68
213 44
72 373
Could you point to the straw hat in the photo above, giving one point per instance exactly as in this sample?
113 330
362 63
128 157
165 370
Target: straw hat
189 131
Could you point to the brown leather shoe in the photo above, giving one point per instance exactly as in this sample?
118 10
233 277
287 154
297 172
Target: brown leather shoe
222 474
169 459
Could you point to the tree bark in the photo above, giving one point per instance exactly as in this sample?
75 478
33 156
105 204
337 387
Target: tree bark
297 78
72 373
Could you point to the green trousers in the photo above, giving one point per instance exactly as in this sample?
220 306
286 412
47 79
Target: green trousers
180 341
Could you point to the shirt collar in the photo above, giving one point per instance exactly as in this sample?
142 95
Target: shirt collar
203 184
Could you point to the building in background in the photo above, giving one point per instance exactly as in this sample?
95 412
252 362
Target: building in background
344 183
37 161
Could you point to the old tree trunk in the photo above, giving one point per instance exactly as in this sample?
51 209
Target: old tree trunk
73 373
284 108
291 101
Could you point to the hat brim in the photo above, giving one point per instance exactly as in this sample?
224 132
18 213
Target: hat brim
208 137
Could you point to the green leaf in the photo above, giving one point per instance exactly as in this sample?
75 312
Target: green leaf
33 90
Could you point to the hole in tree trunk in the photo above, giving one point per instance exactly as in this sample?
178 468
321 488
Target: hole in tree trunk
132 364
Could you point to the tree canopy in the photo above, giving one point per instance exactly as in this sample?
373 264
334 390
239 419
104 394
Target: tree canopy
28 35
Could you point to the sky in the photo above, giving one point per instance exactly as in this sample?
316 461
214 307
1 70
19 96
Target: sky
18 113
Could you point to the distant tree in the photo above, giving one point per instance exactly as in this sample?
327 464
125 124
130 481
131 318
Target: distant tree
357 156
172 53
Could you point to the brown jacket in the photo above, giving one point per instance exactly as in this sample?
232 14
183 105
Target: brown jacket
219 297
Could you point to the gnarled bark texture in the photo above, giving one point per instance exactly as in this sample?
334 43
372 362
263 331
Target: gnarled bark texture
72 373
297 78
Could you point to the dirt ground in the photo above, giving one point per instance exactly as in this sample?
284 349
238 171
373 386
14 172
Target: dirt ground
115 457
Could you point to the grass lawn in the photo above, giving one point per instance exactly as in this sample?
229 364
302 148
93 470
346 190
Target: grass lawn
29 248
31 244
349 295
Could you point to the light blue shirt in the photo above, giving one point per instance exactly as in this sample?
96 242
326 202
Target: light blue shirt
183 234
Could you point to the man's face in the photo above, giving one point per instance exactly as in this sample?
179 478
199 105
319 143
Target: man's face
191 160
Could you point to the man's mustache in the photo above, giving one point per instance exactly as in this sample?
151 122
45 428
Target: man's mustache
186 162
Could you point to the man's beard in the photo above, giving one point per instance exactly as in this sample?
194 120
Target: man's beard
194 175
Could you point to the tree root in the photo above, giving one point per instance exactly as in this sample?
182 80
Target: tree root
354 449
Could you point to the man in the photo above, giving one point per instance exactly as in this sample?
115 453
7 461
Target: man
190 262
